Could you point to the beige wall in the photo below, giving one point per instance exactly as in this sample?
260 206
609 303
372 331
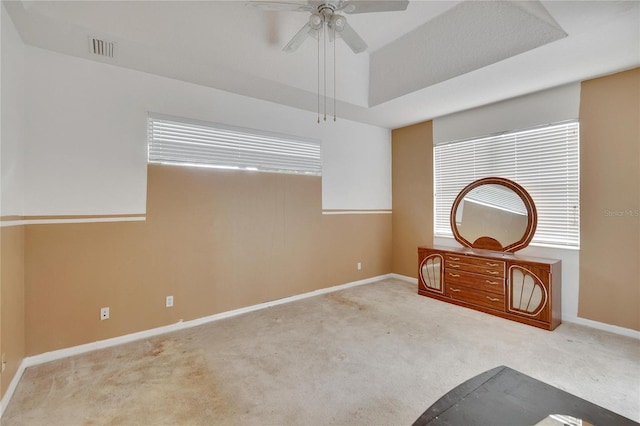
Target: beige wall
610 200
215 240
12 307
412 189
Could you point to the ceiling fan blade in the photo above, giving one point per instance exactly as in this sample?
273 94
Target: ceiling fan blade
371 6
298 39
353 40
281 6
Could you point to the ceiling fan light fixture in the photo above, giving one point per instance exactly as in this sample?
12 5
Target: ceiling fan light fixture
337 22
315 21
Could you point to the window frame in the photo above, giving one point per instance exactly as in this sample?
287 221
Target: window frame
551 236
195 143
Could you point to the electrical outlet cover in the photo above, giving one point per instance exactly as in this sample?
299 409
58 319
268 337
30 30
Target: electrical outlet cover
104 313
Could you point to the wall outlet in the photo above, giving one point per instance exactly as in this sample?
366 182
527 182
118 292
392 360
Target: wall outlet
4 362
104 313
169 302
359 266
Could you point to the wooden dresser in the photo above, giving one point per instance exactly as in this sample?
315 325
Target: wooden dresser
520 288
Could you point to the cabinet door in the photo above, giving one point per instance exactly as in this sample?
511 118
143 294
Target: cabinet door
528 294
431 270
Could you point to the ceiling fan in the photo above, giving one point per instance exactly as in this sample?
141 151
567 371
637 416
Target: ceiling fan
328 13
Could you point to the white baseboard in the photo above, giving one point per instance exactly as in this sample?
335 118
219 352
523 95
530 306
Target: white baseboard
180 325
602 326
404 278
12 388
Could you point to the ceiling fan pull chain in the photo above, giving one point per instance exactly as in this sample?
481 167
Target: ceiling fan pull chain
318 78
334 73
324 33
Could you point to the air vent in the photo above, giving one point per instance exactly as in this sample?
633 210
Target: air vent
102 48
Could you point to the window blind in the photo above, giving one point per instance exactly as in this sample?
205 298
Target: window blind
191 143
544 160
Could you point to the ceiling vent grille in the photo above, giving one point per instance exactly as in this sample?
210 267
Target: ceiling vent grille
104 48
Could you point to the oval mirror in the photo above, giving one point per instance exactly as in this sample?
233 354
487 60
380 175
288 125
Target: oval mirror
494 214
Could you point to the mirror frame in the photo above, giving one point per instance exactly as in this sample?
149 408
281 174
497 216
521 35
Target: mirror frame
487 242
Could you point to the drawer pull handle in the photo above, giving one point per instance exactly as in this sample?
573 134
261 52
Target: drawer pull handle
492 282
454 258
491 298
454 275
453 266
492 264
455 290
493 272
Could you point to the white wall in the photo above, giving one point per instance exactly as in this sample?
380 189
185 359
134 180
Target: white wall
11 119
558 104
86 137
549 106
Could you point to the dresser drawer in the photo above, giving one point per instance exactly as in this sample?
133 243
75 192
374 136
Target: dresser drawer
475 281
475 297
477 266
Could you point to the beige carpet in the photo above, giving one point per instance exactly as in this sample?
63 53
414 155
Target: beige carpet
375 354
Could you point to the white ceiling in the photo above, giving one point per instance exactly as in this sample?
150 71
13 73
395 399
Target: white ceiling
483 52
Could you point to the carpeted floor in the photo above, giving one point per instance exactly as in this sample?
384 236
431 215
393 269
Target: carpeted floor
375 354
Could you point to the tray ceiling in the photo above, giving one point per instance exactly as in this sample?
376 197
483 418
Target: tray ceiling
433 59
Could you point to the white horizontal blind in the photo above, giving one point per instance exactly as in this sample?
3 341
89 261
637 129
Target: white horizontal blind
544 160
182 142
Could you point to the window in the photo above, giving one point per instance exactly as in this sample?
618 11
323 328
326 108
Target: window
192 143
544 160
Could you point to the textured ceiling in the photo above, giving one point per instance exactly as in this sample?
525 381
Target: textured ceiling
465 38
433 59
